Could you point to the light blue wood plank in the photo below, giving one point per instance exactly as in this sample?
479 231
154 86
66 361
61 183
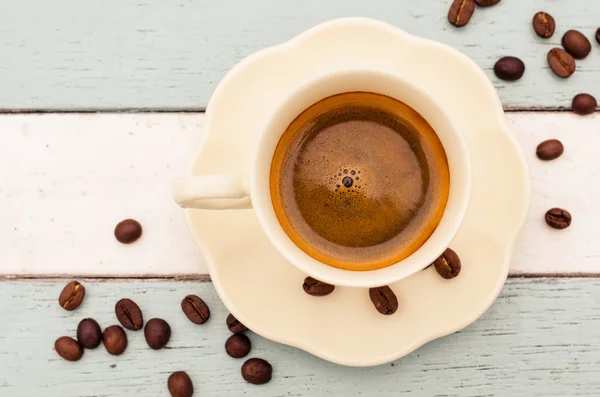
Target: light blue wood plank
540 338
170 54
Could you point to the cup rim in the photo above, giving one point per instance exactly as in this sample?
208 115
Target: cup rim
284 244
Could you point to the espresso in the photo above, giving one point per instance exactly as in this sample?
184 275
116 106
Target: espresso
359 181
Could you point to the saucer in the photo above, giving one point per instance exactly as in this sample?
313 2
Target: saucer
265 292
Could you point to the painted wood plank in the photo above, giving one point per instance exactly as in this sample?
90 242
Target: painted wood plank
67 179
138 54
539 338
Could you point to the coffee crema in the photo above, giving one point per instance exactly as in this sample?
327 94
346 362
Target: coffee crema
359 181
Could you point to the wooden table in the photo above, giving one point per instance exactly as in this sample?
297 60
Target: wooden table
101 107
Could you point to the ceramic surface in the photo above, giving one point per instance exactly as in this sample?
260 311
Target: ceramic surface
265 292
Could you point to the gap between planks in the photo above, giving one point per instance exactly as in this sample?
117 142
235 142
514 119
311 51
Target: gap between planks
206 278
507 109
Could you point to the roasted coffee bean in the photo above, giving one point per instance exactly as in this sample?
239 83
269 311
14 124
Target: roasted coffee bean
557 218
257 371
460 12
584 104
598 35
544 25
448 264
129 314
180 385
115 340
68 348
384 299
89 334
128 231
71 296
576 44
195 309
509 68
238 345
235 326
561 62
487 3
550 149
157 333
315 287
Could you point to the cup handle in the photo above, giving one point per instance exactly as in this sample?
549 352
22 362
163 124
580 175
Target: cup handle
212 192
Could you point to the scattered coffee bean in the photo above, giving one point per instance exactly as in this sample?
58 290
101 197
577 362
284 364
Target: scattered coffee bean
195 309
238 345
561 62
68 348
235 326
180 385
115 340
598 35
584 104
576 44
257 371
384 299
487 3
315 287
544 25
460 12
550 150
128 231
509 68
129 314
448 264
71 296
557 218
89 334
157 333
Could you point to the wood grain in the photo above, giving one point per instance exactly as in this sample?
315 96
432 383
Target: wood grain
141 54
67 179
540 338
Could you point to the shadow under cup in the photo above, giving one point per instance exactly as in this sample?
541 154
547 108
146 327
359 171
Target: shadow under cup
361 81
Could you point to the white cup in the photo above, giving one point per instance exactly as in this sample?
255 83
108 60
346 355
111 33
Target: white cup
214 192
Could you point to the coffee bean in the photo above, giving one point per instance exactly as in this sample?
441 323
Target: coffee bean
315 287
257 371
157 333
557 218
550 150
195 309
584 104
71 296
561 62
544 25
128 231
509 68
129 314
448 264
180 385
598 35
384 299
576 44
238 345
486 3
115 340
460 12
89 334
68 348
235 326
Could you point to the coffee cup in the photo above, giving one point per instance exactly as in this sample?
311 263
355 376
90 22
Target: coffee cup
232 192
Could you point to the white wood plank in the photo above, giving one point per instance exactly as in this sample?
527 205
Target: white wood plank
538 339
125 54
67 179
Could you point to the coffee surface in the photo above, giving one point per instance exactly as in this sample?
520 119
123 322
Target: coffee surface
359 181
